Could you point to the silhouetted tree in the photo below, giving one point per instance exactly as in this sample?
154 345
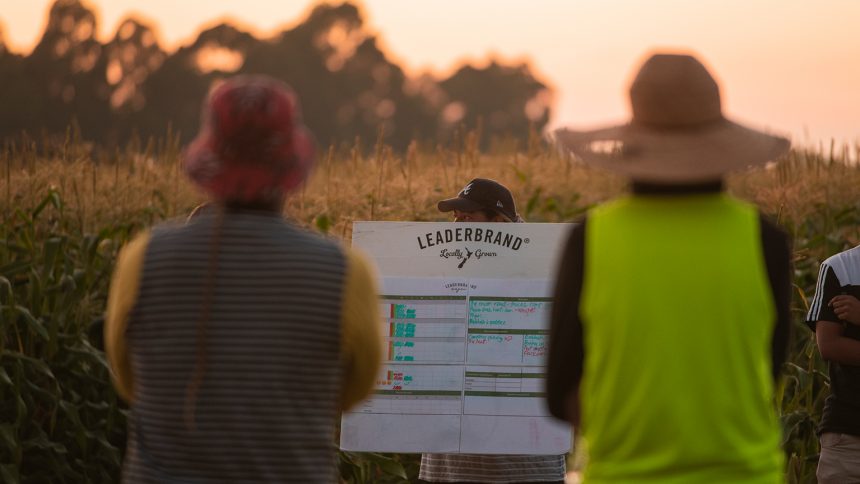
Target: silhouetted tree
64 74
132 56
347 84
508 99
175 91
12 86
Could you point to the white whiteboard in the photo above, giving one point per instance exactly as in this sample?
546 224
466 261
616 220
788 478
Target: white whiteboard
465 310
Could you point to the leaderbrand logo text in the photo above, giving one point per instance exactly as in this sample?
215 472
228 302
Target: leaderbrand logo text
469 234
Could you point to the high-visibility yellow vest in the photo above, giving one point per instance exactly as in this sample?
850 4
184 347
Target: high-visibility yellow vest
678 318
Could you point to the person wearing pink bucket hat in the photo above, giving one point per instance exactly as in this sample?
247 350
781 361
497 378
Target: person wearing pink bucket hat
671 313
237 338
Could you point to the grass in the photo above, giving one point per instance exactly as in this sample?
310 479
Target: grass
68 207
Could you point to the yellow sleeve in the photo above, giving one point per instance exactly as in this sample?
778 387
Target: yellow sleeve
361 335
122 297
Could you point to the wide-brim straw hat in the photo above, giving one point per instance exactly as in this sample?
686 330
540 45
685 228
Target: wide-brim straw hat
252 145
678 133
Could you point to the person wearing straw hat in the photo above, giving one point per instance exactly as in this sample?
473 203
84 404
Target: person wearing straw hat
484 200
238 337
671 313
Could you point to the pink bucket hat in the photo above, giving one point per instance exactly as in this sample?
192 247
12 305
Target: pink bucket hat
252 145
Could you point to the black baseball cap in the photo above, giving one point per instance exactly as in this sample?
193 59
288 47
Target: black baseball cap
482 194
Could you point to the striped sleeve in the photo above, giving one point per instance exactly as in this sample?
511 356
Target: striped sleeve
827 287
361 338
122 297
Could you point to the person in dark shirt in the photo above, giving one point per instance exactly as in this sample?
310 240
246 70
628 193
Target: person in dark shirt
671 312
483 200
834 314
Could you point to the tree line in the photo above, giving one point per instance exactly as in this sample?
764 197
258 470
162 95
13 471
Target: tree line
347 84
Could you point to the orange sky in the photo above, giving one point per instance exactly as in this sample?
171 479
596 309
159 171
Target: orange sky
790 65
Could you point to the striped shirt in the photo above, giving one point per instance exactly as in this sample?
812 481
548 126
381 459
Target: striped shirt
492 468
284 320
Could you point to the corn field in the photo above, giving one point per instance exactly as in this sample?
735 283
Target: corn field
69 206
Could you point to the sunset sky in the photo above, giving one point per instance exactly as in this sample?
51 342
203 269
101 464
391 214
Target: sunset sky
792 66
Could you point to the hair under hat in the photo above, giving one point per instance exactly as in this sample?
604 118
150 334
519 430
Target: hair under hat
252 145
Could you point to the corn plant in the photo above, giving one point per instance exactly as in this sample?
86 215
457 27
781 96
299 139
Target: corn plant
65 217
60 420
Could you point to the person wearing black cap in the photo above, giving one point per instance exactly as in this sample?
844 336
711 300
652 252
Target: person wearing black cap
483 200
